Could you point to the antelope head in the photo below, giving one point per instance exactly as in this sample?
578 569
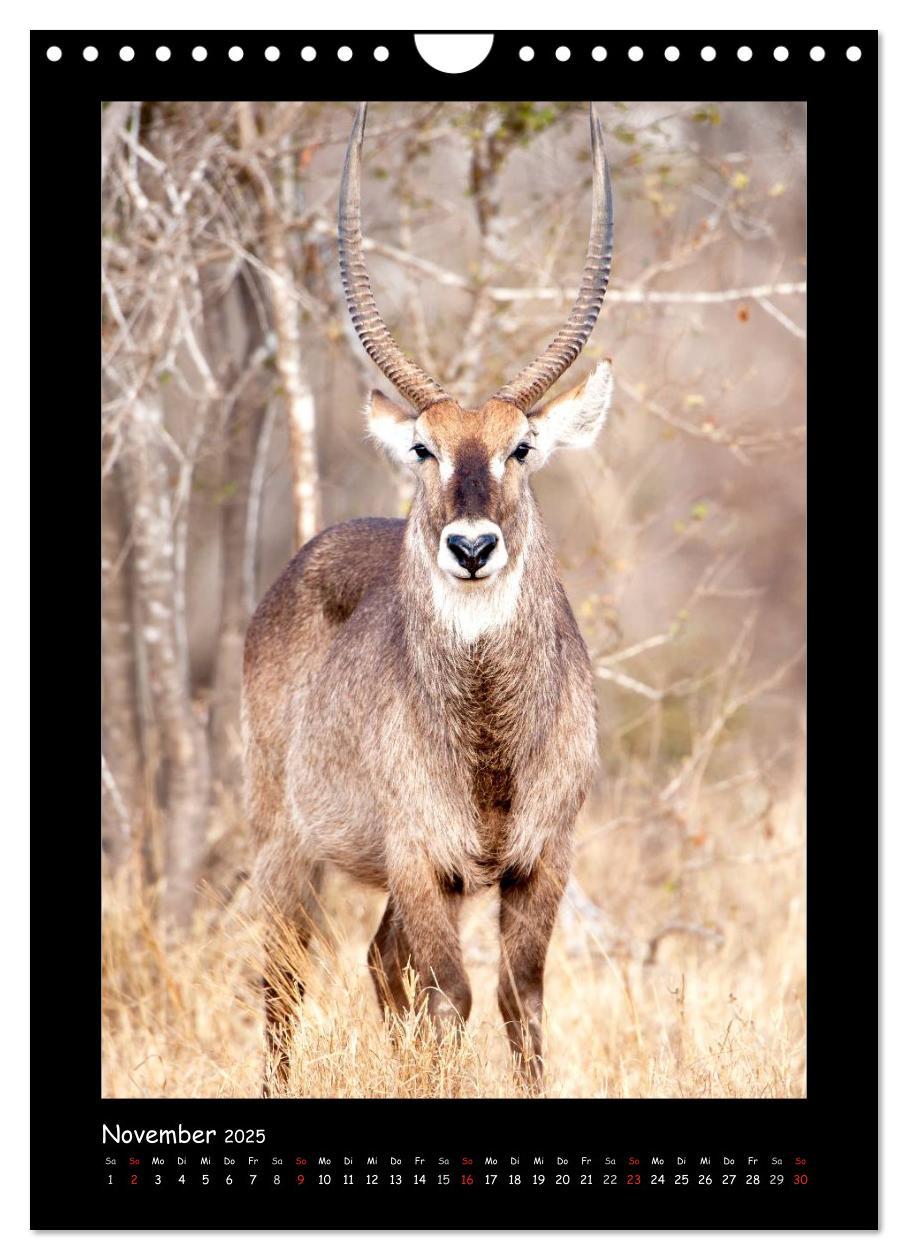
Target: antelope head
473 511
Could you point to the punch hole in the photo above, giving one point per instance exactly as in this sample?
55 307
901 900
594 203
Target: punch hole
635 53
745 53
526 53
563 53
127 53
381 53
90 53
708 53
235 53
817 53
453 54
780 53
162 53
672 53
272 53
54 53
199 53
344 53
599 53
853 53
308 53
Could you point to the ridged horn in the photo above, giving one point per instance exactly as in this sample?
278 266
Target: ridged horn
409 380
528 387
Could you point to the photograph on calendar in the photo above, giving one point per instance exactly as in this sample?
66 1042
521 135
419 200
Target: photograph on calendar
453 599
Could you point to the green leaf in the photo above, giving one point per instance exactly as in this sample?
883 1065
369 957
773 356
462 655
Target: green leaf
226 492
709 114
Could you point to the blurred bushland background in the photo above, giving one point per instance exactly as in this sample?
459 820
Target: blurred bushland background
233 386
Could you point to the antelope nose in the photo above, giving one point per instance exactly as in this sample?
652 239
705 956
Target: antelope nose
472 553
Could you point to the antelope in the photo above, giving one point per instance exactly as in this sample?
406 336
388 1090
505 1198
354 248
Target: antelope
418 702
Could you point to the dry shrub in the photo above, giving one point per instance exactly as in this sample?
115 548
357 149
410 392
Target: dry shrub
699 993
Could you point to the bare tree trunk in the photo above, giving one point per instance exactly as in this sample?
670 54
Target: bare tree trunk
243 420
113 120
121 772
290 365
240 348
228 666
297 390
183 747
485 167
257 478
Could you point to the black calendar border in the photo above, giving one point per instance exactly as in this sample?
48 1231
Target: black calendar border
836 1126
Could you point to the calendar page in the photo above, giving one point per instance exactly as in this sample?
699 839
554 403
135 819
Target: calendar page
465 860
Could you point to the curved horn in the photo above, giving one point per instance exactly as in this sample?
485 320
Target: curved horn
411 381
527 388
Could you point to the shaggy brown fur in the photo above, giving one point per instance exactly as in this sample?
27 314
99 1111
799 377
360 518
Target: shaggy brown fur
390 730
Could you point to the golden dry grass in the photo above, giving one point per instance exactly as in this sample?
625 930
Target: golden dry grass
720 1014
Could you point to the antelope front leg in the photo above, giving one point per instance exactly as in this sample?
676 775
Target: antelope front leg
287 883
527 917
428 914
283 992
389 954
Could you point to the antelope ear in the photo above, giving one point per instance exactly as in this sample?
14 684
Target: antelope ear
390 425
575 417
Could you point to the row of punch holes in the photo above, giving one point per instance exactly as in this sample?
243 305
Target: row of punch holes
380 53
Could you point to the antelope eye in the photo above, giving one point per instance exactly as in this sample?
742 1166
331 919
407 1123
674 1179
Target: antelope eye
421 452
521 451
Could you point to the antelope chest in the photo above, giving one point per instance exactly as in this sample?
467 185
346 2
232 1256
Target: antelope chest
492 739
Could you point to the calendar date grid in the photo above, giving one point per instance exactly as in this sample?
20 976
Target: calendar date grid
317 1172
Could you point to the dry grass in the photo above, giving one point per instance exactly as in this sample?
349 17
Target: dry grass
708 1018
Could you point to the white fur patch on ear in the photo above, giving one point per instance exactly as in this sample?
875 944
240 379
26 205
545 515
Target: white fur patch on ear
575 417
390 425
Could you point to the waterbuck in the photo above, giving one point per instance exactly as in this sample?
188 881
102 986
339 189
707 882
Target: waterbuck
418 703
